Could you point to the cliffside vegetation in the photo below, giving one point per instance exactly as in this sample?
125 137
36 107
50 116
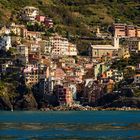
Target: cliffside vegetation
78 17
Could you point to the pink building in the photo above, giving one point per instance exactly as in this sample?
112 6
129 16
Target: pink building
40 18
64 95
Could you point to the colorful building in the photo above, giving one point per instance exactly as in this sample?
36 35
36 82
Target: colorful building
124 30
64 95
34 73
119 30
17 30
40 18
60 46
130 31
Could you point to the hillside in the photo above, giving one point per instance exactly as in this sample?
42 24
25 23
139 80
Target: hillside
78 17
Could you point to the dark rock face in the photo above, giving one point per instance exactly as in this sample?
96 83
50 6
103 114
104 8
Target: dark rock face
125 102
107 99
5 103
118 101
26 102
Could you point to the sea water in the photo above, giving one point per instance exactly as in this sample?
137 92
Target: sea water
70 125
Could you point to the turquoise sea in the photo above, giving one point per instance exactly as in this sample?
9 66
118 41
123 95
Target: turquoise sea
70 125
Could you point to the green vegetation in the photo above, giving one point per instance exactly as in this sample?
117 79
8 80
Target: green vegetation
122 63
137 92
7 90
79 17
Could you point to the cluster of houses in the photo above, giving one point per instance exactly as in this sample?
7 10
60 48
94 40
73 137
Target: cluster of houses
32 14
54 65
127 31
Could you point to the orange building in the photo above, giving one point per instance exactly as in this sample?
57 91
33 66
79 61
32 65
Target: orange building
130 31
123 30
120 30
137 31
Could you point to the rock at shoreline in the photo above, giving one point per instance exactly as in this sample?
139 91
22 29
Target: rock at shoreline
126 101
26 102
5 103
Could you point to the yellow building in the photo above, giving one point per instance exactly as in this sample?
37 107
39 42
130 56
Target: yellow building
123 52
110 86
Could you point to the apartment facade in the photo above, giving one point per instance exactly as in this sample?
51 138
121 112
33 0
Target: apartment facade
119 30
23 53
64 95
124 30
60 46
34 73
5 42
17 30
130 31
29 13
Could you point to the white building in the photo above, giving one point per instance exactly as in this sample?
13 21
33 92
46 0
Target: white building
48 47
29 13
5 42
59 46
137 79
72 50
22 52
